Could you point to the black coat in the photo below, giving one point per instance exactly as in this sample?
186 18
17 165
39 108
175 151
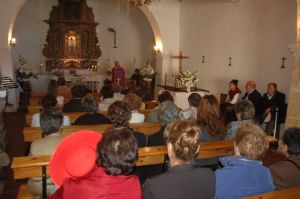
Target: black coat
256 98
74 105
181 182
276 102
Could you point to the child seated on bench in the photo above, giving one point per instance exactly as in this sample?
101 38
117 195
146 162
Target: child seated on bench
51 125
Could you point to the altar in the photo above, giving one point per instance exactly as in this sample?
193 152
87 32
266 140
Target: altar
180 96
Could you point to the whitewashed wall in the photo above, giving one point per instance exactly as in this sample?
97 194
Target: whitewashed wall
255 33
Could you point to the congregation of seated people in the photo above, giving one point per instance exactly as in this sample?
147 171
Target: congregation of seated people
109 170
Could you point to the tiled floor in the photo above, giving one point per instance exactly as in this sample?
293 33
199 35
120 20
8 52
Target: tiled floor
16 147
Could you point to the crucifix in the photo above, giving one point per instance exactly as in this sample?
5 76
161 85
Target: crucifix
180 57
110 29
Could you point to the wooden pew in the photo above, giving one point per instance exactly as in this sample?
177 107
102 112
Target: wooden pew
73 116
291 193
27 167
148 128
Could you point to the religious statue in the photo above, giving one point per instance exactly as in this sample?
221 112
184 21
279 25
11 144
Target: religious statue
148 72
118 74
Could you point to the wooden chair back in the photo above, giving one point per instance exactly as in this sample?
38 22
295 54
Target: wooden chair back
290 193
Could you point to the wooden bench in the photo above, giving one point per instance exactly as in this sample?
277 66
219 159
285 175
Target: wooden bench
147 128
291 193
73 116
27 167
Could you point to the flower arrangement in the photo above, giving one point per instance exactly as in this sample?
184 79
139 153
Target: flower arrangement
25 71
148 71
78 80
57 72
188 78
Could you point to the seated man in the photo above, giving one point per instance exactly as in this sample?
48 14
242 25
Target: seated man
273 101
191 113
48 101
91 117
51 124
183 179
286 173
74 105
255 97
243 174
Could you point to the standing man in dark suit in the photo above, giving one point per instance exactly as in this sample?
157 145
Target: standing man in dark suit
274 101
255 97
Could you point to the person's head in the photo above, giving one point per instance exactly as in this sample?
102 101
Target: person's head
119 114
291 141
250 86
79 91
133 101
165 96
233 84
52 87
61 81
251 142
89 104
137 71
117 63
208 116
168 112
117 152
182 138
244 110
272 88
51 120
49 101
194 99
116 87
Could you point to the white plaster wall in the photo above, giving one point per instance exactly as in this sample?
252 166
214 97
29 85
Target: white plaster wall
135 38
255 33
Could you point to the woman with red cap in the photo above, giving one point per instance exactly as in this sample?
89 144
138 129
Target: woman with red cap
81 172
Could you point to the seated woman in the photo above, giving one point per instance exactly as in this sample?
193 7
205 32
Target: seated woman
134 102
234 92
287 173
91 117
168 112
119 115
182 180
212 127
153 115
192 111
245 113
51 125
243 174
48 102
104 174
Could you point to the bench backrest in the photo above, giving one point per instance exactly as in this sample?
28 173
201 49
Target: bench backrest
73 116
29 166
290 193
147 128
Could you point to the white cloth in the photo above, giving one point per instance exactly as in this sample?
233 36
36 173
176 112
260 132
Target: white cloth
35 122
137 117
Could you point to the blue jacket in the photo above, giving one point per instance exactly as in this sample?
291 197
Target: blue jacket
242 177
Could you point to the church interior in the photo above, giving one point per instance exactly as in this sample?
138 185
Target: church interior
161 72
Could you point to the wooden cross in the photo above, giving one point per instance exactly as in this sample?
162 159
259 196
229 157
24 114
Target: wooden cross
180 57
